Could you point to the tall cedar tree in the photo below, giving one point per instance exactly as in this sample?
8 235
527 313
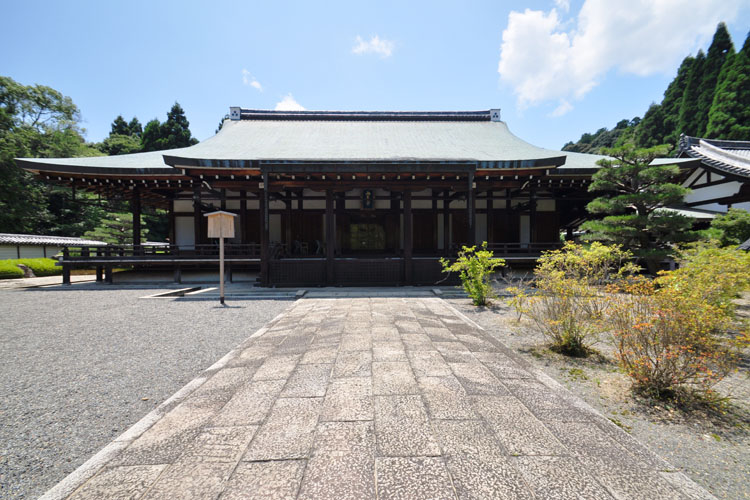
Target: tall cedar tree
688 122
174 133
634 192
651 131
670 105
729 117
720 48
39 122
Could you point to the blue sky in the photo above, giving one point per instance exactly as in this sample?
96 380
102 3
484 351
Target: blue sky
556 68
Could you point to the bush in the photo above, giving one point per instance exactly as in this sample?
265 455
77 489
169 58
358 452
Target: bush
569 305
41 267
733 227
666 339
475 268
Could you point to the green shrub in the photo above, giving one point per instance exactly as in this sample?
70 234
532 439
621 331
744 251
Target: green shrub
41 267
475 268
9 270
569 305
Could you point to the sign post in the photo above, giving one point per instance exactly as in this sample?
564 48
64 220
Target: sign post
221 225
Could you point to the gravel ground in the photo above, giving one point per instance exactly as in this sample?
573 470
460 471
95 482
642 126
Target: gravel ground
713 451
78 367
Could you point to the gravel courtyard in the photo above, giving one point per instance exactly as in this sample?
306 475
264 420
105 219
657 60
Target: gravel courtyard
78 367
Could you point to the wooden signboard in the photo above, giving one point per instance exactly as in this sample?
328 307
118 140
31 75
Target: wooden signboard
221 225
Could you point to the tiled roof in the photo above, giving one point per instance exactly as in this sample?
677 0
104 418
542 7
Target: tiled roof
466 137
36 239
732 157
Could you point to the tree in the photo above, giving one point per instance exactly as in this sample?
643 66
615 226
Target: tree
35 121
135 127
117 144
116 228
651 132
729 117
721 47
688 122
734 226
119 127
672 102
174 133
634 192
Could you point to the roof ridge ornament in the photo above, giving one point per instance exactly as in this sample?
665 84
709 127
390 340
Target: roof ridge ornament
495 115
235 113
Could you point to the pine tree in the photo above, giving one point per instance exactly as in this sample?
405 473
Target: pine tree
635 193
135 127
729 117
670 105
720 48
174 133
688 122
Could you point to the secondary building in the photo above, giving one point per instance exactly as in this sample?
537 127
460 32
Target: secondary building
341 198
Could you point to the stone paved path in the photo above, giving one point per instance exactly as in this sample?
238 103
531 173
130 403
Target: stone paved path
387 398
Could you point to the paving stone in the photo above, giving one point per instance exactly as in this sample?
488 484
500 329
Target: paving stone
353 364
625 481
546 404
385 333
250 404
277 367
388 351
583 438
320 353
204 480
455 352
406 327
287 432
413 479
225 381
343 463
477 379
275 480
348 399
559 478
356 342
438 333
477 344
402 427
515 426
219 445
255 353
418 342
308 381
120 483
165 441
294 344
445 398
428 364
391 377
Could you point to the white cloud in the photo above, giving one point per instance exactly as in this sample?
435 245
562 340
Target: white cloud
248 79
383 47
545 58
288 104
563 5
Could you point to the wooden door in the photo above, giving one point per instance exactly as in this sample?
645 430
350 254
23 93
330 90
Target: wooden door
425 232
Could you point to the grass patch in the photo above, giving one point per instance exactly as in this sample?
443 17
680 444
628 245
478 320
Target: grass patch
42 267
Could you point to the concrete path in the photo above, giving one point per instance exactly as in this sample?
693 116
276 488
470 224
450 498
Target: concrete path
42 281
387 398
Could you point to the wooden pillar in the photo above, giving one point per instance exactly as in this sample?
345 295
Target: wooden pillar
177 274
197 215
136 208
264 231
223 198
408 239
288 228
243 216
108 278
99 272
435 219
471 210
330 238
446 223
490 218
532 215
66 274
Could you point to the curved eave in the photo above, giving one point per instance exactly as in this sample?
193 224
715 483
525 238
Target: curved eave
37 166
356 163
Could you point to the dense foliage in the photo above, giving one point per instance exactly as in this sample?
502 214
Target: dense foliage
41 267
709 97
634 196
733 227
475 267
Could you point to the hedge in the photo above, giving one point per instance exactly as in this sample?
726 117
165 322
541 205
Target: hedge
41 267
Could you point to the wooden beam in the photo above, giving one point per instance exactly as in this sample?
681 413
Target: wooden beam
197 216
243 217
446 222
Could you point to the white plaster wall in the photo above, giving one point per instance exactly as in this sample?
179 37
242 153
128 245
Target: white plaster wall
184 231
421 204
233 204
183 205
277 205
711 192
27 251
545 205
